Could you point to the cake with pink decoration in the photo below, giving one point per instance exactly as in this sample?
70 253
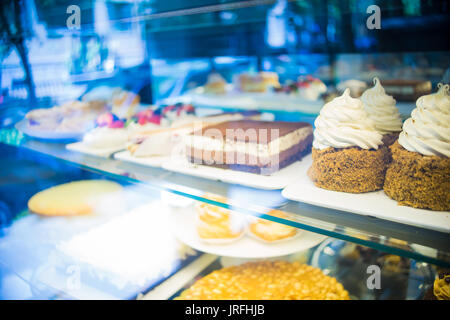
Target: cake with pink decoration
110 132
306 87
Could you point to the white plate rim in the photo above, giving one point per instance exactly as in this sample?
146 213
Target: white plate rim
303 190
154 162
276 181
99 152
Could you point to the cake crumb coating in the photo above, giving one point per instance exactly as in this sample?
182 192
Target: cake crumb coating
352 170
418 181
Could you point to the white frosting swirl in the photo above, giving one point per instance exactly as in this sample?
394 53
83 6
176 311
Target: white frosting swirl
381 109
428 130
344 123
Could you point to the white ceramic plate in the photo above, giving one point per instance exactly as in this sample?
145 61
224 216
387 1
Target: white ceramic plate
376 204
99 152
277 180
146 161
24 127
183 226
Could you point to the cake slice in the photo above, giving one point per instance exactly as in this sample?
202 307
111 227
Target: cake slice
162 141
261 147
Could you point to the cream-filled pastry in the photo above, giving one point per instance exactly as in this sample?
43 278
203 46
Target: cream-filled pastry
270 231
216 224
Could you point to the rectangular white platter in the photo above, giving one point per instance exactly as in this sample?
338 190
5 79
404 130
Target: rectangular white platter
145 161
275 181
376 204
98 152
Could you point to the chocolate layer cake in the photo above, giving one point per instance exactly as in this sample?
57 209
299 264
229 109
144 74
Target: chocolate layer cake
261 147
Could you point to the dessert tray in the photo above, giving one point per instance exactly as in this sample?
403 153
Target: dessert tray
99 152
275 181
183 227
24 127
375 204
156 161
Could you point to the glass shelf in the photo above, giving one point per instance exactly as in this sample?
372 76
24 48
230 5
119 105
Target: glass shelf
395 238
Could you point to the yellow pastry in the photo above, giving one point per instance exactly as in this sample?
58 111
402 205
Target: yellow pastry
441 287
270 231
266 280
216 224
74 198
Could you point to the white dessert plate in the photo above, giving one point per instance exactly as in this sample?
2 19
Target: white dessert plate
146 161
98 152
24 127
275 181
376 204
183 226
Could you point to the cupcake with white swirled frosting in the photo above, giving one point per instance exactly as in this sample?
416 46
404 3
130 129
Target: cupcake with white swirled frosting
348 152
419 175
382 109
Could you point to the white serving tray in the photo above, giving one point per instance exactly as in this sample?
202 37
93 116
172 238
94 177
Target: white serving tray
376 204
146 161
275 181
183 227
98 152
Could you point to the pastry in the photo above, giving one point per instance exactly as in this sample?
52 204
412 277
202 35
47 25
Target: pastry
74 198
151 143
419 174
177 111
308 88
216 224
348 153
440 290
216 84
356 87
146 120
406 90
270 231
125 104
260 82
441 286
109 133
261 147
382 110
73 116
266 280
162 141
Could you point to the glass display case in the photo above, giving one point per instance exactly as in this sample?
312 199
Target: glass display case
123 93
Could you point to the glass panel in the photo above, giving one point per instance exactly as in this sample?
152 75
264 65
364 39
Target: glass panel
166 52
417 243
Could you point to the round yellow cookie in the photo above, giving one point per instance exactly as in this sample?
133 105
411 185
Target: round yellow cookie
73 198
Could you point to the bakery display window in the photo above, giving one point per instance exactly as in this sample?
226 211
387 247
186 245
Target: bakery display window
225 150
